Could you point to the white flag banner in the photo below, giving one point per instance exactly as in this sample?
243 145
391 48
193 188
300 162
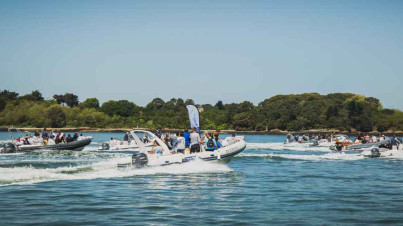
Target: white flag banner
194 117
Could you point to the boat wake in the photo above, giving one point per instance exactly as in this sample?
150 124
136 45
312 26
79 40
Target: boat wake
325 157
103 169
329 156
281 146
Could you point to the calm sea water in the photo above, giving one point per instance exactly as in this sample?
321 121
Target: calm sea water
266 184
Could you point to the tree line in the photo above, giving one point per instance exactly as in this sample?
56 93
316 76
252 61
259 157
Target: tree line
342 111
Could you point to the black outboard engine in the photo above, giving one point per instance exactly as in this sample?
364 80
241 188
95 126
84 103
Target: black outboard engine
105 146
375 153
315 143
339 146
139 160
9 148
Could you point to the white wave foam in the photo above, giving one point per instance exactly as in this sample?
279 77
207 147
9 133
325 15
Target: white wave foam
251 155
281 146
105 169
10 154
329 156
393 154
6 141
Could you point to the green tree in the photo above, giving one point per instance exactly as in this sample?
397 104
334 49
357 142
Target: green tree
189 102
3 104
219 105
90 103
7 95
60 99
122 108
56 116
71 99
156 103
34 96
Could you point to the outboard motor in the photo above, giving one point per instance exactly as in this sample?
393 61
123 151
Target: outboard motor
339 146
9 148
375 153
139 160
315 143
105 146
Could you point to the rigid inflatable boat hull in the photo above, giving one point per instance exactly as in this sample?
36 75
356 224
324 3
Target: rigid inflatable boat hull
74 146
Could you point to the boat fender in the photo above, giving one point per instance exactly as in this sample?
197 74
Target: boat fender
105 146
139 160
375 153
218 154
9 148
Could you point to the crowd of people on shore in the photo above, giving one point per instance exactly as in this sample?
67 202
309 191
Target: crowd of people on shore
48 138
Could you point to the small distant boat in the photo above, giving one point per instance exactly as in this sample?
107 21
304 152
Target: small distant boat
383 143
15 147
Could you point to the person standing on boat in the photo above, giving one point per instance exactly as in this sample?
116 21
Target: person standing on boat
194 141
45 136
393 142
186 135
181 143
126 137
174 140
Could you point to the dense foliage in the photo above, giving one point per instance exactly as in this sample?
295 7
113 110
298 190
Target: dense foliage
343 111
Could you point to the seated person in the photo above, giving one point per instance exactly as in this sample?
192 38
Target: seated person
62 137
75 137
51 141
31 140
155 149
145 139
69 139
57 139
211 144
232 139
217 141
81 137
19 142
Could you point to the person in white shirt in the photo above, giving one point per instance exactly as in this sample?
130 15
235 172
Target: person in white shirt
81 137
181 144
374 139
194 141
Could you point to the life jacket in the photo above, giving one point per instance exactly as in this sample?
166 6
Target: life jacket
210 144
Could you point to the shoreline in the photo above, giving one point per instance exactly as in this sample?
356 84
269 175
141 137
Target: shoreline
252 132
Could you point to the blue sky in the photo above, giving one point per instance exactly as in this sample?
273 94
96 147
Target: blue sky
204 50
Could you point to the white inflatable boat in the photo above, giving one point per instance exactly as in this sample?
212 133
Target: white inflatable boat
148 157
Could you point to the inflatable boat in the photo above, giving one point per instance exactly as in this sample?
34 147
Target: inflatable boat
146 157
381 144
17 145
74 146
